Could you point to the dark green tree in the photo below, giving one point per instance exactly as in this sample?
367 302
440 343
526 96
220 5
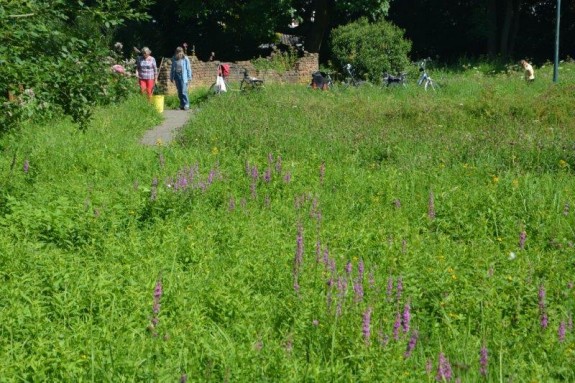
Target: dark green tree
53 55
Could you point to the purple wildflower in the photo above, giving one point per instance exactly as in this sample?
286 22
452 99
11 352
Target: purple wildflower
544 321
522 238
287 178
371 279
399 288
541 296
566 209
321 172
268 175
26 167
406 317
444 372
358 290
561 331
428 366
396 326
360 269
279 164
296 285
431 206
367 325
254 173
411 344
156 306
483 360
348 267
270 159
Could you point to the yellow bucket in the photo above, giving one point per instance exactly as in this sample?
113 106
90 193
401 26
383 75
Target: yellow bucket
158 102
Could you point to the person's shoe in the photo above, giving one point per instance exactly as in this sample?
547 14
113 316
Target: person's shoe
186 108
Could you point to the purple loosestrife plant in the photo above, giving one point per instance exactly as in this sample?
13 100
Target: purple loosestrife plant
444 372
26 166
522 238
360 269
348 268
321 173
399 288
411 344
366 329
561 332
541 295
158 291
483 360
396 326
406 317
279 165
358 290
544 320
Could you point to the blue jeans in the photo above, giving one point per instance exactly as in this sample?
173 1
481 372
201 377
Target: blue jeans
182 92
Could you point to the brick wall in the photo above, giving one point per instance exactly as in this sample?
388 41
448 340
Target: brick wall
205 72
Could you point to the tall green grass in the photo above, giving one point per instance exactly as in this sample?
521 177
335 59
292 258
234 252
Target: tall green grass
255 222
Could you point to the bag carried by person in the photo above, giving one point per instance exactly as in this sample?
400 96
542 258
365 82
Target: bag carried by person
220 85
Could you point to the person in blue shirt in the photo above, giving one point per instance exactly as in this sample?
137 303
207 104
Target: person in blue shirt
181 74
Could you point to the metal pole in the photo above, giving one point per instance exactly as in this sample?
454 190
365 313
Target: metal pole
556 63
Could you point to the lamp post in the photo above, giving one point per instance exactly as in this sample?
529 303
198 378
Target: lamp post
556 62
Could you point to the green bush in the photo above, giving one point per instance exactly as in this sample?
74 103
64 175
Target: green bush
372 48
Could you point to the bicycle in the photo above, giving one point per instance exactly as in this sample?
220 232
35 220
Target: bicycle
389 80
250 83
350 78
425 79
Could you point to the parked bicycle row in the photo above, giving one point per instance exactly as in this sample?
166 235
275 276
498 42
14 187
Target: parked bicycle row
325 80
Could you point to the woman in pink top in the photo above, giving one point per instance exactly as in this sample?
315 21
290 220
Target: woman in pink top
147 72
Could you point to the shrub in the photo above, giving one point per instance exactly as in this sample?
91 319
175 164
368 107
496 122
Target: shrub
372 48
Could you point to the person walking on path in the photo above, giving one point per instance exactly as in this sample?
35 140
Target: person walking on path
529 72
147 72
181 74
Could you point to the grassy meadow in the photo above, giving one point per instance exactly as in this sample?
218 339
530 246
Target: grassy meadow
291 235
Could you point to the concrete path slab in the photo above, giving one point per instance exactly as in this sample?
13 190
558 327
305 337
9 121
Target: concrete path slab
164 133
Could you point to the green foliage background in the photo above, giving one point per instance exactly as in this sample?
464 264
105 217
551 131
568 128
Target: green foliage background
371 48
89 223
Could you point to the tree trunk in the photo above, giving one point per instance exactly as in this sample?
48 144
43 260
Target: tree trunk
506 28
320 25
491 24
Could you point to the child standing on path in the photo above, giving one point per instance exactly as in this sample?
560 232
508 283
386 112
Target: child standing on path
181 73
147 72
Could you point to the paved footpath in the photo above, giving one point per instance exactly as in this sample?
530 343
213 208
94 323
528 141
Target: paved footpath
164 133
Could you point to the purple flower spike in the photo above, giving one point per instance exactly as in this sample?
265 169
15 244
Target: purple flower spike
396 326
399 288
360 269
483 360
406 317
522 238
348 267
367 325
544 321
26 167
444 373
561 332
411 344
541 296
